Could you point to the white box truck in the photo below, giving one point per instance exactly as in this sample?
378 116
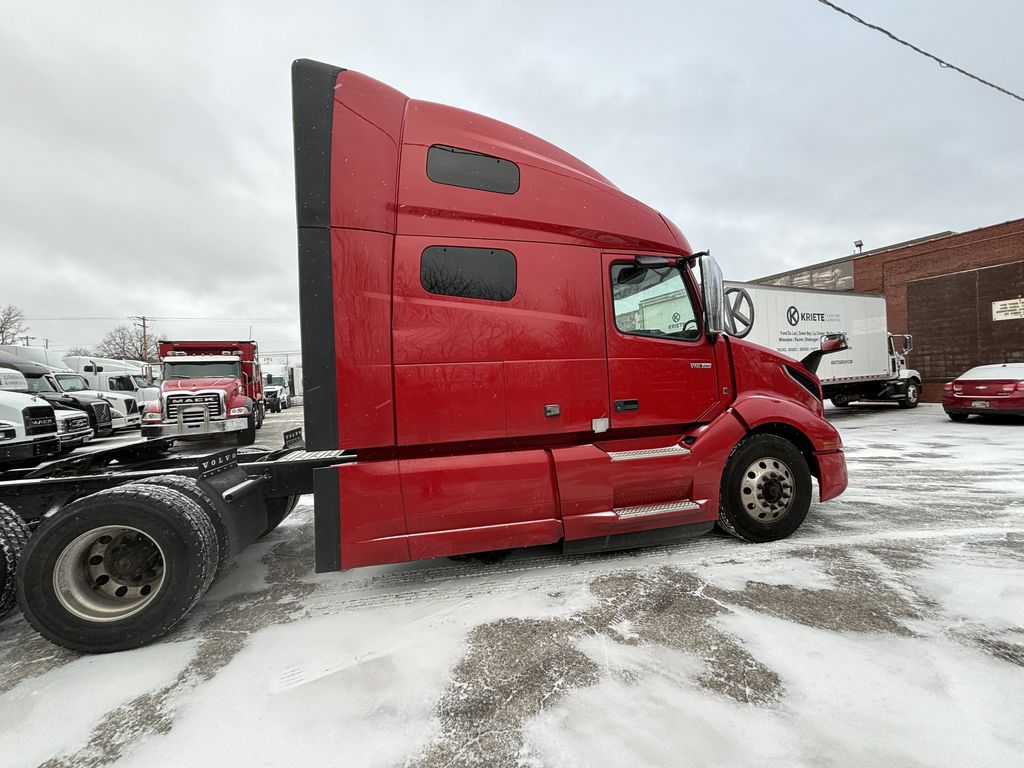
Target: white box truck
793 320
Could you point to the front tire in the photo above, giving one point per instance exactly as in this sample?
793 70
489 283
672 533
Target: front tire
913 395
248 435
14 533
117 569
766 489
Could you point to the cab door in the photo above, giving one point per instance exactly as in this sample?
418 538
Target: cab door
661 367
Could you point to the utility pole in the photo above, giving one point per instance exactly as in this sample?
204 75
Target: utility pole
145 339
26 337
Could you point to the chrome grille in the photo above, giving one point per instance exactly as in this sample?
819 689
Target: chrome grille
39 420
75 423
193 407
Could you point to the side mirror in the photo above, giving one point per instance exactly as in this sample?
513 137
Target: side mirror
713 287
908 343
827 345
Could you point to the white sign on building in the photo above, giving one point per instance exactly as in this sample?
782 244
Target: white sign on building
1010 309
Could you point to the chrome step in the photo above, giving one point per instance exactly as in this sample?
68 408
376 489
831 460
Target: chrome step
649 453
646 510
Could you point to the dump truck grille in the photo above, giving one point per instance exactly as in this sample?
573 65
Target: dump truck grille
39 420
192 407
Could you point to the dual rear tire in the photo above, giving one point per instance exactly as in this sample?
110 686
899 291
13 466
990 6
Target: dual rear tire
118 569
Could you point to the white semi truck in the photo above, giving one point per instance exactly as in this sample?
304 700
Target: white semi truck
125 377
793 320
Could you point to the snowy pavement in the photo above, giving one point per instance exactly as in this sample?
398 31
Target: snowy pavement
889 630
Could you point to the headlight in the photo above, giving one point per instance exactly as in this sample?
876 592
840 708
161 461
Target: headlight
243 411
7 431
150 416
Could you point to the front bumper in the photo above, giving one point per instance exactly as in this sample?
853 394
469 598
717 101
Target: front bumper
69 440
25 450
832 476
1012 405
195 428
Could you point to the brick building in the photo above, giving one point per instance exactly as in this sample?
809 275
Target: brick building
961 294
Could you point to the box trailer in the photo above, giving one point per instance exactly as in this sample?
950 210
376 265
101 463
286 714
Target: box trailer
481 377
793 320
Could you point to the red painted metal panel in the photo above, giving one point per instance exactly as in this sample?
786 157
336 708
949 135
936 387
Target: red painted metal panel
373 526
365 141
450 493
556 312
560 199
362 337
832 474
547 343
450 402
484 539
579 388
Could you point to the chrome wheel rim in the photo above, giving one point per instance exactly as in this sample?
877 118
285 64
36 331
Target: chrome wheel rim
912 393
768 490
109 573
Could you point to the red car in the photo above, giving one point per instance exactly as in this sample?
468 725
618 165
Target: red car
988 389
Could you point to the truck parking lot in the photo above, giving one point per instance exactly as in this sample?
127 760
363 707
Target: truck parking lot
887 629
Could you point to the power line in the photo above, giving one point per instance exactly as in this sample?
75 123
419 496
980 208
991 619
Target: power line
940 62
253 320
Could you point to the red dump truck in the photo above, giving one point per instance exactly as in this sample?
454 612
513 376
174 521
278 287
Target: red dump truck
479 375
208 388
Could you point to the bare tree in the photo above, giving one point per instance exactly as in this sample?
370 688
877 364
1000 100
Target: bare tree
80 352
12 324
125 343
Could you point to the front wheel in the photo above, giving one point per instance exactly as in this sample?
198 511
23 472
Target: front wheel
766 489
248 435
913 395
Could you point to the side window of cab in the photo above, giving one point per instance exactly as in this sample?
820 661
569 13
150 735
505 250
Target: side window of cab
653 301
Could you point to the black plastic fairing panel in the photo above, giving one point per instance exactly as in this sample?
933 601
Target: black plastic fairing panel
327 519
313 85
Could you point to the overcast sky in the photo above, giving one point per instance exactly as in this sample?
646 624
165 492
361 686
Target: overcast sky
146 160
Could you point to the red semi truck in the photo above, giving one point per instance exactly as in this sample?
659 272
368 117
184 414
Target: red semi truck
208 388
480 374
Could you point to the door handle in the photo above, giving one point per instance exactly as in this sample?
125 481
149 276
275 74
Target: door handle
627 405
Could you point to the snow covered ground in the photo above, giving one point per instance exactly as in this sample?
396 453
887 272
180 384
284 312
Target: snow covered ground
889 630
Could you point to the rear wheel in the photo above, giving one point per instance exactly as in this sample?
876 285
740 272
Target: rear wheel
766 489
913 395
957 416
278 508
14 533
189 487
117 569
841 400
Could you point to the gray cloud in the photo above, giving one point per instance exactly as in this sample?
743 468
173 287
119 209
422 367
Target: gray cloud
146 153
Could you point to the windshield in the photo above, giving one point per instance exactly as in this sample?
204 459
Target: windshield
231 369
140 382
40 384
70 382
275 381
